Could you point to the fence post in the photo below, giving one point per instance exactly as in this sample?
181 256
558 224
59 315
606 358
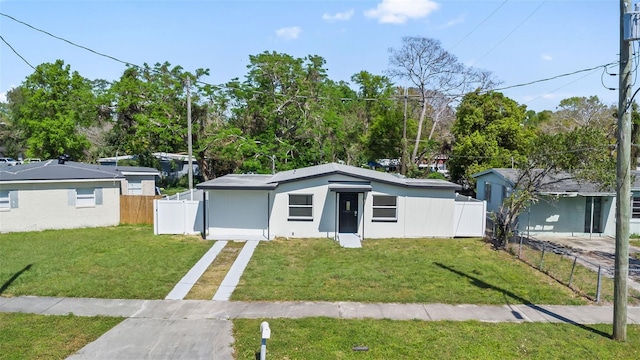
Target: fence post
542 257
265 333
572 269
599 283
520 247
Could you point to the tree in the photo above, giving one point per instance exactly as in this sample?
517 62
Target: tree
577 112
488 133
583 154
51 108
438 76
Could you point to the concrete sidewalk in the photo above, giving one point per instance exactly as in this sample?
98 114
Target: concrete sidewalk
225 310
167 329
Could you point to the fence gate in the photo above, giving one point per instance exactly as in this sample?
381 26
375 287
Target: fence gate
469 217
177 217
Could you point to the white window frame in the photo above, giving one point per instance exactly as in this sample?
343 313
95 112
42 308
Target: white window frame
85 197
384 207
487 191
297 206
5 200
134 187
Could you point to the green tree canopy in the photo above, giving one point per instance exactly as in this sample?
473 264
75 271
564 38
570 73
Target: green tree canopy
51 107
489 132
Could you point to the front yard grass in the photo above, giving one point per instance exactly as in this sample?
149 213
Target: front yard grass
122 262
325 338
452 271
29 336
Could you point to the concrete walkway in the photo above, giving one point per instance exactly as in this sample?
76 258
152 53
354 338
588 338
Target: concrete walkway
226 310
186 283
167 329
232 278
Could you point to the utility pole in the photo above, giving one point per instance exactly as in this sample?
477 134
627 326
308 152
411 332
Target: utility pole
189 140
403 161
623 185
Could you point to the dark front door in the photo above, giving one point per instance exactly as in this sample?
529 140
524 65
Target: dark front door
593 220
348 208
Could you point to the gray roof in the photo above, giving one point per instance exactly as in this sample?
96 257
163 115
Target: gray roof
266 182
51 170
127 170
558 182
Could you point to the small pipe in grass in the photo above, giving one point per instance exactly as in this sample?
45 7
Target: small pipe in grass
360 348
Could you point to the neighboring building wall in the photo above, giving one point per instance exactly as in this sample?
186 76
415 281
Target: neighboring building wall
53 206
139 185
564 216
498 186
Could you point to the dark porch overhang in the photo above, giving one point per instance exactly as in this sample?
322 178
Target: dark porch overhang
350 188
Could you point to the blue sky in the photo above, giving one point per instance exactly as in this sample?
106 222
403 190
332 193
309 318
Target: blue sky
519 41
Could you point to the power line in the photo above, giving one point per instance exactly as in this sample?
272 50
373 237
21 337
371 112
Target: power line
15 52
225 86
511 33
478 26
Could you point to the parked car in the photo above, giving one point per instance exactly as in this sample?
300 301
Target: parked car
30 160
8 161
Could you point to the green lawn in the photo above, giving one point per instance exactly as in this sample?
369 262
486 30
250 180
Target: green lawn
452 271
324 338
126 262
28 336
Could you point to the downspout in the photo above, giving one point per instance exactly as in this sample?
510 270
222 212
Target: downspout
268 216
335 223
204 214
364 200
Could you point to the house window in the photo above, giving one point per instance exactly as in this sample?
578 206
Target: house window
300 207
487 192
635 209
85 197
385 208
5 204
134 187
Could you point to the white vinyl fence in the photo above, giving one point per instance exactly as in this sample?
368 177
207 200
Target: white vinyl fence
177 216
469 217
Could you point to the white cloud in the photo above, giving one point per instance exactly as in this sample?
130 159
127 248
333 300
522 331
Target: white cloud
289 33
459 20
546 57
400 11
341 16
3 97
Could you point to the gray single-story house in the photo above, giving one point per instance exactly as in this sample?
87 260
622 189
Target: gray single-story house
567 206
58 194
331 200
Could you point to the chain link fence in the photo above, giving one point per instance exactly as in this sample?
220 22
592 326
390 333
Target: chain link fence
589 276
583 274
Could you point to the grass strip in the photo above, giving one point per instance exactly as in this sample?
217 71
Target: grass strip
325 338
452 271
208 284
126 262
30 336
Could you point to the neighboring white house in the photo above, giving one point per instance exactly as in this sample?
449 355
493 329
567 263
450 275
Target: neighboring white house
567 207
53 195
58 194
173 165
138 180
328 200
